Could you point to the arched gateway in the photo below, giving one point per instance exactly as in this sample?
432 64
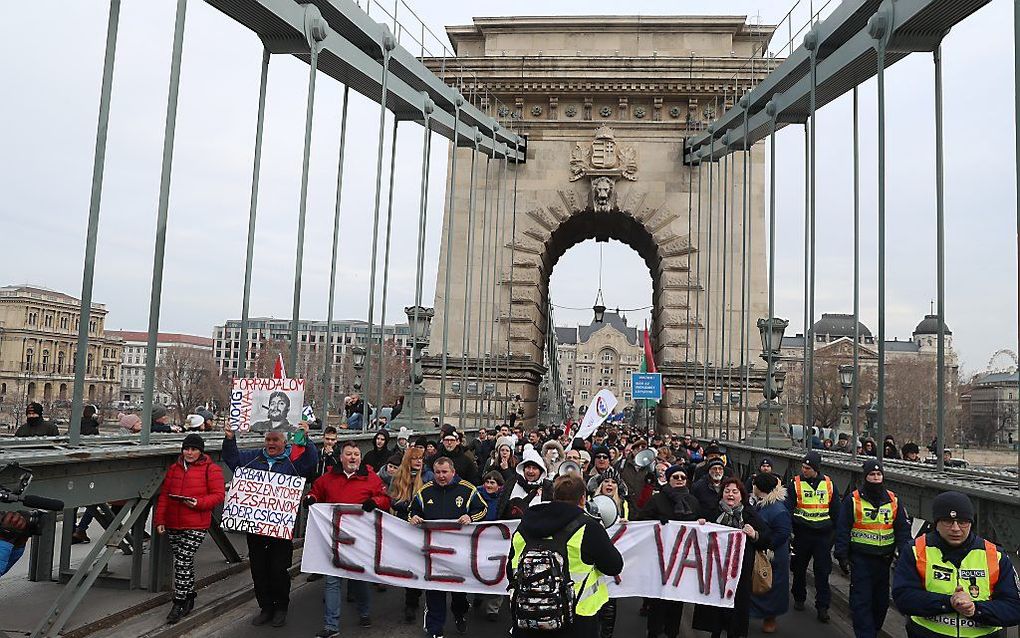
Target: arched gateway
605 104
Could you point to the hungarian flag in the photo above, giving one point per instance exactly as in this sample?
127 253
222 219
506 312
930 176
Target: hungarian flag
279 372
648 360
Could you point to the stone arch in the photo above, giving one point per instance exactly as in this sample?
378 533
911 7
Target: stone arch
650 228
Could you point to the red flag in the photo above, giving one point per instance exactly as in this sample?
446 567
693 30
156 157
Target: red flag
649 359
279 372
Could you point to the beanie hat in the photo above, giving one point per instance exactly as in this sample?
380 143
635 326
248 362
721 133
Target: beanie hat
403 433
505 440
195 441
612 474
765 482
158 412
35 407
205 414
911 448
766 461
673 469
395 459
813 460
130 422
712 449
715 463
870 465
952 506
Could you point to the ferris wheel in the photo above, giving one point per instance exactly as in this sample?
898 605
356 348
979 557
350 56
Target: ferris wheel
1005 352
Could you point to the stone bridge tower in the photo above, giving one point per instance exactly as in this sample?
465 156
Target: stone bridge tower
605 103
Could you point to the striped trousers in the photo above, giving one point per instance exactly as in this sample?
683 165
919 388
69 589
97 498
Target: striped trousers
184 544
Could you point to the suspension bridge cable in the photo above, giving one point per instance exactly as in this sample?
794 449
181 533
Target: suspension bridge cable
458 102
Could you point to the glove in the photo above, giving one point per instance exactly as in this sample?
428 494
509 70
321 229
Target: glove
308 500
844 566
663 521
368 505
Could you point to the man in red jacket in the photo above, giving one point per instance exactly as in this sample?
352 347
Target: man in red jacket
352 483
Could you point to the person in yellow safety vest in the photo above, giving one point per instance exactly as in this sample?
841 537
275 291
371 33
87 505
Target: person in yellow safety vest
954 583
590 555
872 526
813 501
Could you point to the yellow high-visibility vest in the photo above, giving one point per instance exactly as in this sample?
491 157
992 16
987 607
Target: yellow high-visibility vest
590 589
978 574
875 529
812 503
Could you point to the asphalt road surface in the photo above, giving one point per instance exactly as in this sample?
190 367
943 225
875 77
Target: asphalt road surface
305 619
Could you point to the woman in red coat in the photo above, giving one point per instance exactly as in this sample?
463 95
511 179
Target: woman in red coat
192 488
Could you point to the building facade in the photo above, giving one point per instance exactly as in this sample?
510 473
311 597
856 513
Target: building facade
311 342
38 343
132 368
596 356
991 408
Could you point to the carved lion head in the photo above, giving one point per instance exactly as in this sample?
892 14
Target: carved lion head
602 194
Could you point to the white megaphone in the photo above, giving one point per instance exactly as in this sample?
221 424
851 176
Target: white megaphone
644 459
569 467
603 508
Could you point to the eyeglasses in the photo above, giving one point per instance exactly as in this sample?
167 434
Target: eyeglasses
954 523
450 440
679 476
601 456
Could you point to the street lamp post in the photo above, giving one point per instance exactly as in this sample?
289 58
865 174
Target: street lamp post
359 352
872 416
419 320
846 381
768 432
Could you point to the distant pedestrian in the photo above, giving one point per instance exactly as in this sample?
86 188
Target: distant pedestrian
34 424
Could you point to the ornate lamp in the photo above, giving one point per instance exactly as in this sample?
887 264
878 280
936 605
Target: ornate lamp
772 331
358 352
846 376
419 319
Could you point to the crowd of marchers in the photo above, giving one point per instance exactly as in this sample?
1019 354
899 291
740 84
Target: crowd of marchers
945 581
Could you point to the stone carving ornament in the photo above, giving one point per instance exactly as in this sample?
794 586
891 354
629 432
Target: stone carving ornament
571 111
604 162
639 112
536 110
606 111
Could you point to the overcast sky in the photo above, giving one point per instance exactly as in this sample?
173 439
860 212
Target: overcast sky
49 113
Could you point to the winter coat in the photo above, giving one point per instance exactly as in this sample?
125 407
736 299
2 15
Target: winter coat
37 427
89 426
707 495
660 508
201 480
375 457
301 462
791 505
773 513
336 487
845 522
734 621
435 502
463 465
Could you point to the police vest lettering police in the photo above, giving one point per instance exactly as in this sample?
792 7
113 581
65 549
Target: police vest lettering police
873 525
978 574
813 503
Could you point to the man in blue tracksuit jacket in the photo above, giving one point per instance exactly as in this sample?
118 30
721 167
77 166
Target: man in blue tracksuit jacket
445 497
953 583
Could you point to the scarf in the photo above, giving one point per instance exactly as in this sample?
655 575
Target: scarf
874 493
282 456
731 516
676 496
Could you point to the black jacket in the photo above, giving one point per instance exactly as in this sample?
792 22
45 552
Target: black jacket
435 502
708 497
464 466
544 520
89 426
37 427
660 508
375 457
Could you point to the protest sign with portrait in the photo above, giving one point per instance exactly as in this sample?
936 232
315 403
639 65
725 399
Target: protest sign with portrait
259 405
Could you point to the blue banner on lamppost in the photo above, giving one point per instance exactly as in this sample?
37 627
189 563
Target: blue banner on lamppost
646 385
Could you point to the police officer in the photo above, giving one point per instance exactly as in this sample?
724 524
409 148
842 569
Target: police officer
955 583
813 501
872 526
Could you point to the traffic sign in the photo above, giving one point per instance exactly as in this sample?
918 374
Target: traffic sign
646 385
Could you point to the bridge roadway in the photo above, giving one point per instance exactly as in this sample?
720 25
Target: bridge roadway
305 619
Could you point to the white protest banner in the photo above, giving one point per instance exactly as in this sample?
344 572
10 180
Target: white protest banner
261 502
677 561
259 405
601 407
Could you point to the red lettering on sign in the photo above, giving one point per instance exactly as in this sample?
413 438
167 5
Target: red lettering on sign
501 558
380 569
666 570
340 537
694 562
617 536
429 549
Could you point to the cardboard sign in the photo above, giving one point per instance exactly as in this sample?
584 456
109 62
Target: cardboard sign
259 405
263 503
676 561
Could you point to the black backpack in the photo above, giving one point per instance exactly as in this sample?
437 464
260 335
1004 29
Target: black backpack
541 591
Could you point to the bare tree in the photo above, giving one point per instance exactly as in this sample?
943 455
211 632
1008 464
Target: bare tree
395 378
188 376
